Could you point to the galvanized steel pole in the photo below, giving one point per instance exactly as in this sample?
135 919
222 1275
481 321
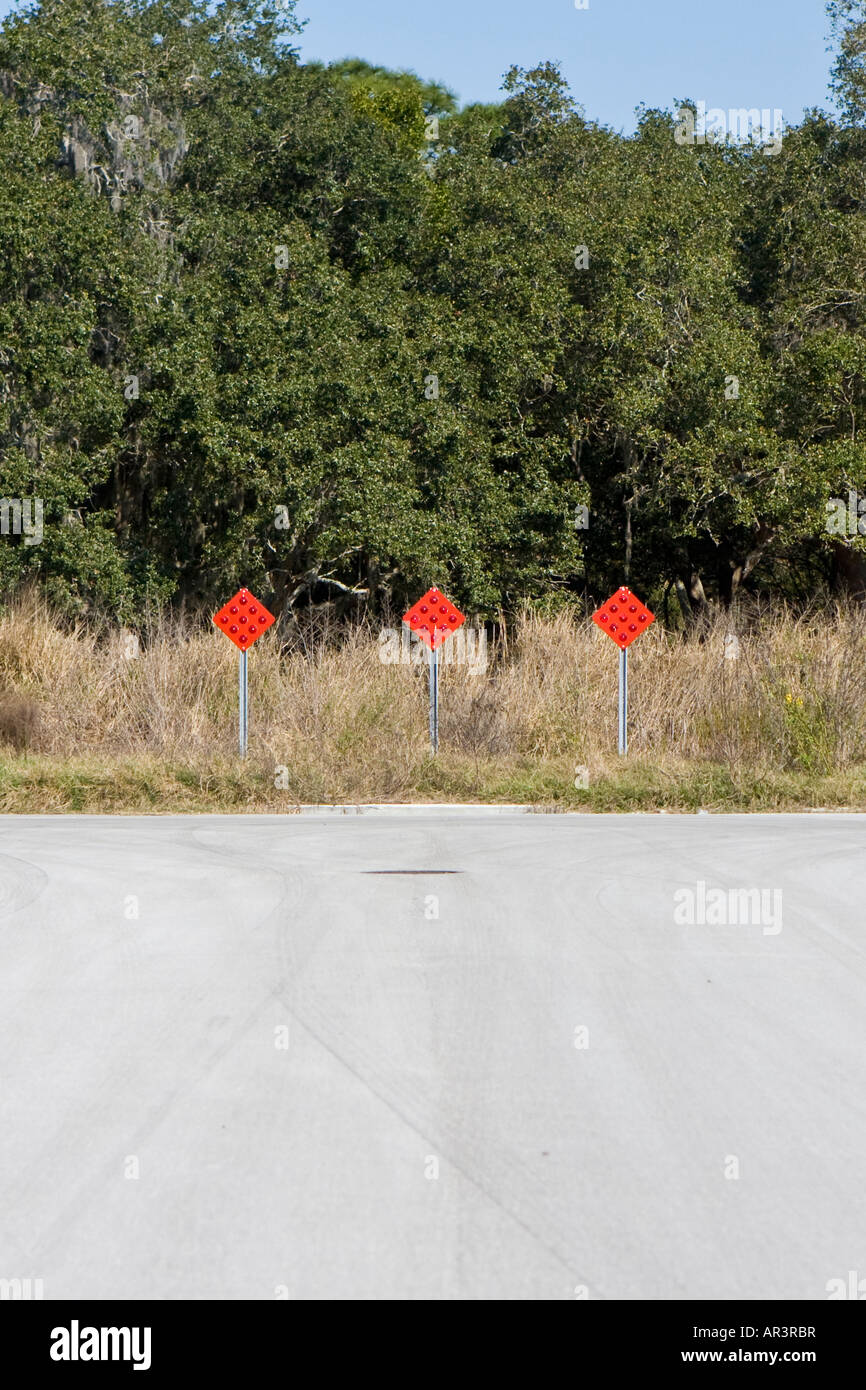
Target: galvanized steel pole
434 699
623 700
243 721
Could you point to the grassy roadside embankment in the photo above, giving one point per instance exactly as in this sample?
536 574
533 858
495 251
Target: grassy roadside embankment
84 728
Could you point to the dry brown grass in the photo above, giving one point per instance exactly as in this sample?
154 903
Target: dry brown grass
345 726
20 720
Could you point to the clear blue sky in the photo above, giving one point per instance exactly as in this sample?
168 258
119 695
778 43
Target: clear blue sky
616 54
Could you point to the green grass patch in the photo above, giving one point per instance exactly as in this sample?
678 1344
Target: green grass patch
43 784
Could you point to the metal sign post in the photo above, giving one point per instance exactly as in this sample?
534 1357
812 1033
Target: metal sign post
243 620
434 619
243 692
434 699
623 700
623 618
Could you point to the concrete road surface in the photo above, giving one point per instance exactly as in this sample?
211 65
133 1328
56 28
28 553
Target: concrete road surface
432 1056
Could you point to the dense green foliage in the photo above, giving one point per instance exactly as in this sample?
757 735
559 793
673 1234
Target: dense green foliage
315 330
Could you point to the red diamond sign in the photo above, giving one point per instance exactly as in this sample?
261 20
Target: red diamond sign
623 617
244 619
434 618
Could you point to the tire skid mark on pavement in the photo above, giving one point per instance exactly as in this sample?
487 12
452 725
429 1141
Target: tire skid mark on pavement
21 883
493 1178
117 1078
92 1188
504 1180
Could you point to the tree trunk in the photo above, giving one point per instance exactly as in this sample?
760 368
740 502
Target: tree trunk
849 571
732 571
692 598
